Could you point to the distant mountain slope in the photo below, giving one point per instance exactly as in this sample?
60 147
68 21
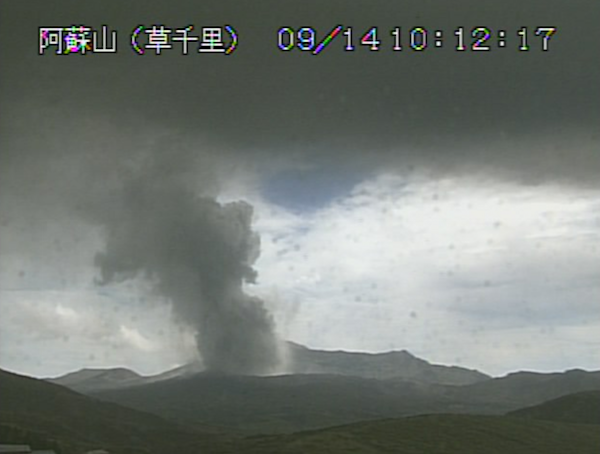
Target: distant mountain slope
300 402
91 380
528 388
97 379
400 365
396 364
581 407
78 423
437 434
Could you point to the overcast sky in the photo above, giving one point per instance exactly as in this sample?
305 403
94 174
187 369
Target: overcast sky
442 202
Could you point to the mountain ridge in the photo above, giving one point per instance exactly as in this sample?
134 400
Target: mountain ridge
397 364
400 364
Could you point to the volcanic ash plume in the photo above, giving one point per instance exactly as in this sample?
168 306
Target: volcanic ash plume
199 253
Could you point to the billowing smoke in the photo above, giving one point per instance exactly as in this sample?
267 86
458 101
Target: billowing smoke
198 253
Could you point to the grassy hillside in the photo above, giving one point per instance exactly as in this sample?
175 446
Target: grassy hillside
581 407
254 405
522 389
34 409
438 434
289 403
50 416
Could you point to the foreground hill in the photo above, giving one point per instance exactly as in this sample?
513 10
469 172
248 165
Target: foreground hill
438 434
50 416
290 403
57 417
581 408
287 403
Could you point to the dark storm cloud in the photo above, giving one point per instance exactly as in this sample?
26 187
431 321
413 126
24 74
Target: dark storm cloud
439 108
80 136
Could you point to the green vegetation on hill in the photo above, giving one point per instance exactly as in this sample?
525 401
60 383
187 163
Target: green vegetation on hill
581 408
438 434
51 416
522 389
254 405
290 403
76 423
13 434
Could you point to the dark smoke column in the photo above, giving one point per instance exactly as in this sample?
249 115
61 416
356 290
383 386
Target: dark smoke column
198 253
